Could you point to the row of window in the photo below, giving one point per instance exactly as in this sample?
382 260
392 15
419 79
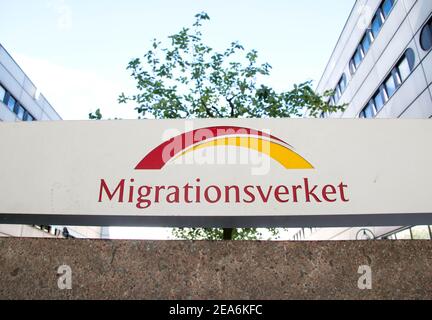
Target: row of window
412 233
303 233
387 89
398 74
340 89
14 106
371 33
54 231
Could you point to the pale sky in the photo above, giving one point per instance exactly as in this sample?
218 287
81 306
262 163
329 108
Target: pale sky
76 51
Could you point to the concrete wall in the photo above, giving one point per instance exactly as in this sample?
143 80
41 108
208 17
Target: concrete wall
214 270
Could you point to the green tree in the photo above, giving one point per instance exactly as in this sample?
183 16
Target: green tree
97 115
189 79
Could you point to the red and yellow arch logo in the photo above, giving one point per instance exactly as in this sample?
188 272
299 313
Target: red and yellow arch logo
191 141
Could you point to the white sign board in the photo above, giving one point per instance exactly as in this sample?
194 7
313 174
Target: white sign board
225 173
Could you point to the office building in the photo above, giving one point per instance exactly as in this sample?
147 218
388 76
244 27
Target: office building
381 67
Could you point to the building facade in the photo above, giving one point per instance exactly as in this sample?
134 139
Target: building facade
381 67
20 100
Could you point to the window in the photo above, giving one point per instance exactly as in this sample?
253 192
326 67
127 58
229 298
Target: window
377 23
420 232
404 235
404 69
2 93
379 100
11 102
19 111
339 90
358 57
390 86
393 81
392 237
366 42
337 94
343 83
14 106
406 65
28 116
387 7
426 36
352 66
371 33
369 111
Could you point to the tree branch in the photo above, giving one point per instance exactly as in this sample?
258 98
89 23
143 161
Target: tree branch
232 106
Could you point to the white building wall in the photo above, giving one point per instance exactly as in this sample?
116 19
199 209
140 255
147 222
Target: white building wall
413 99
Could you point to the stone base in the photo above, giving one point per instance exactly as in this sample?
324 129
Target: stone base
213 270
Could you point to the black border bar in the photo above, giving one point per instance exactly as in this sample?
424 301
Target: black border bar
343 220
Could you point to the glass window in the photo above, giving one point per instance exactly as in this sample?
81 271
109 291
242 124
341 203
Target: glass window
392 237
369 110
390 86
366 42
337 95
409 54
426 36
352 66
387 7
376 24
404 69
379 100
420 232
11 103
19 110
362 115
404 235
358 57
342 83
2 94
28 117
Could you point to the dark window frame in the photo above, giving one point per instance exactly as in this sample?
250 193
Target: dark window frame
4 95
409 55
8 98
426 31
18 109
17 106
379 13
391 8
28 116
339 90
